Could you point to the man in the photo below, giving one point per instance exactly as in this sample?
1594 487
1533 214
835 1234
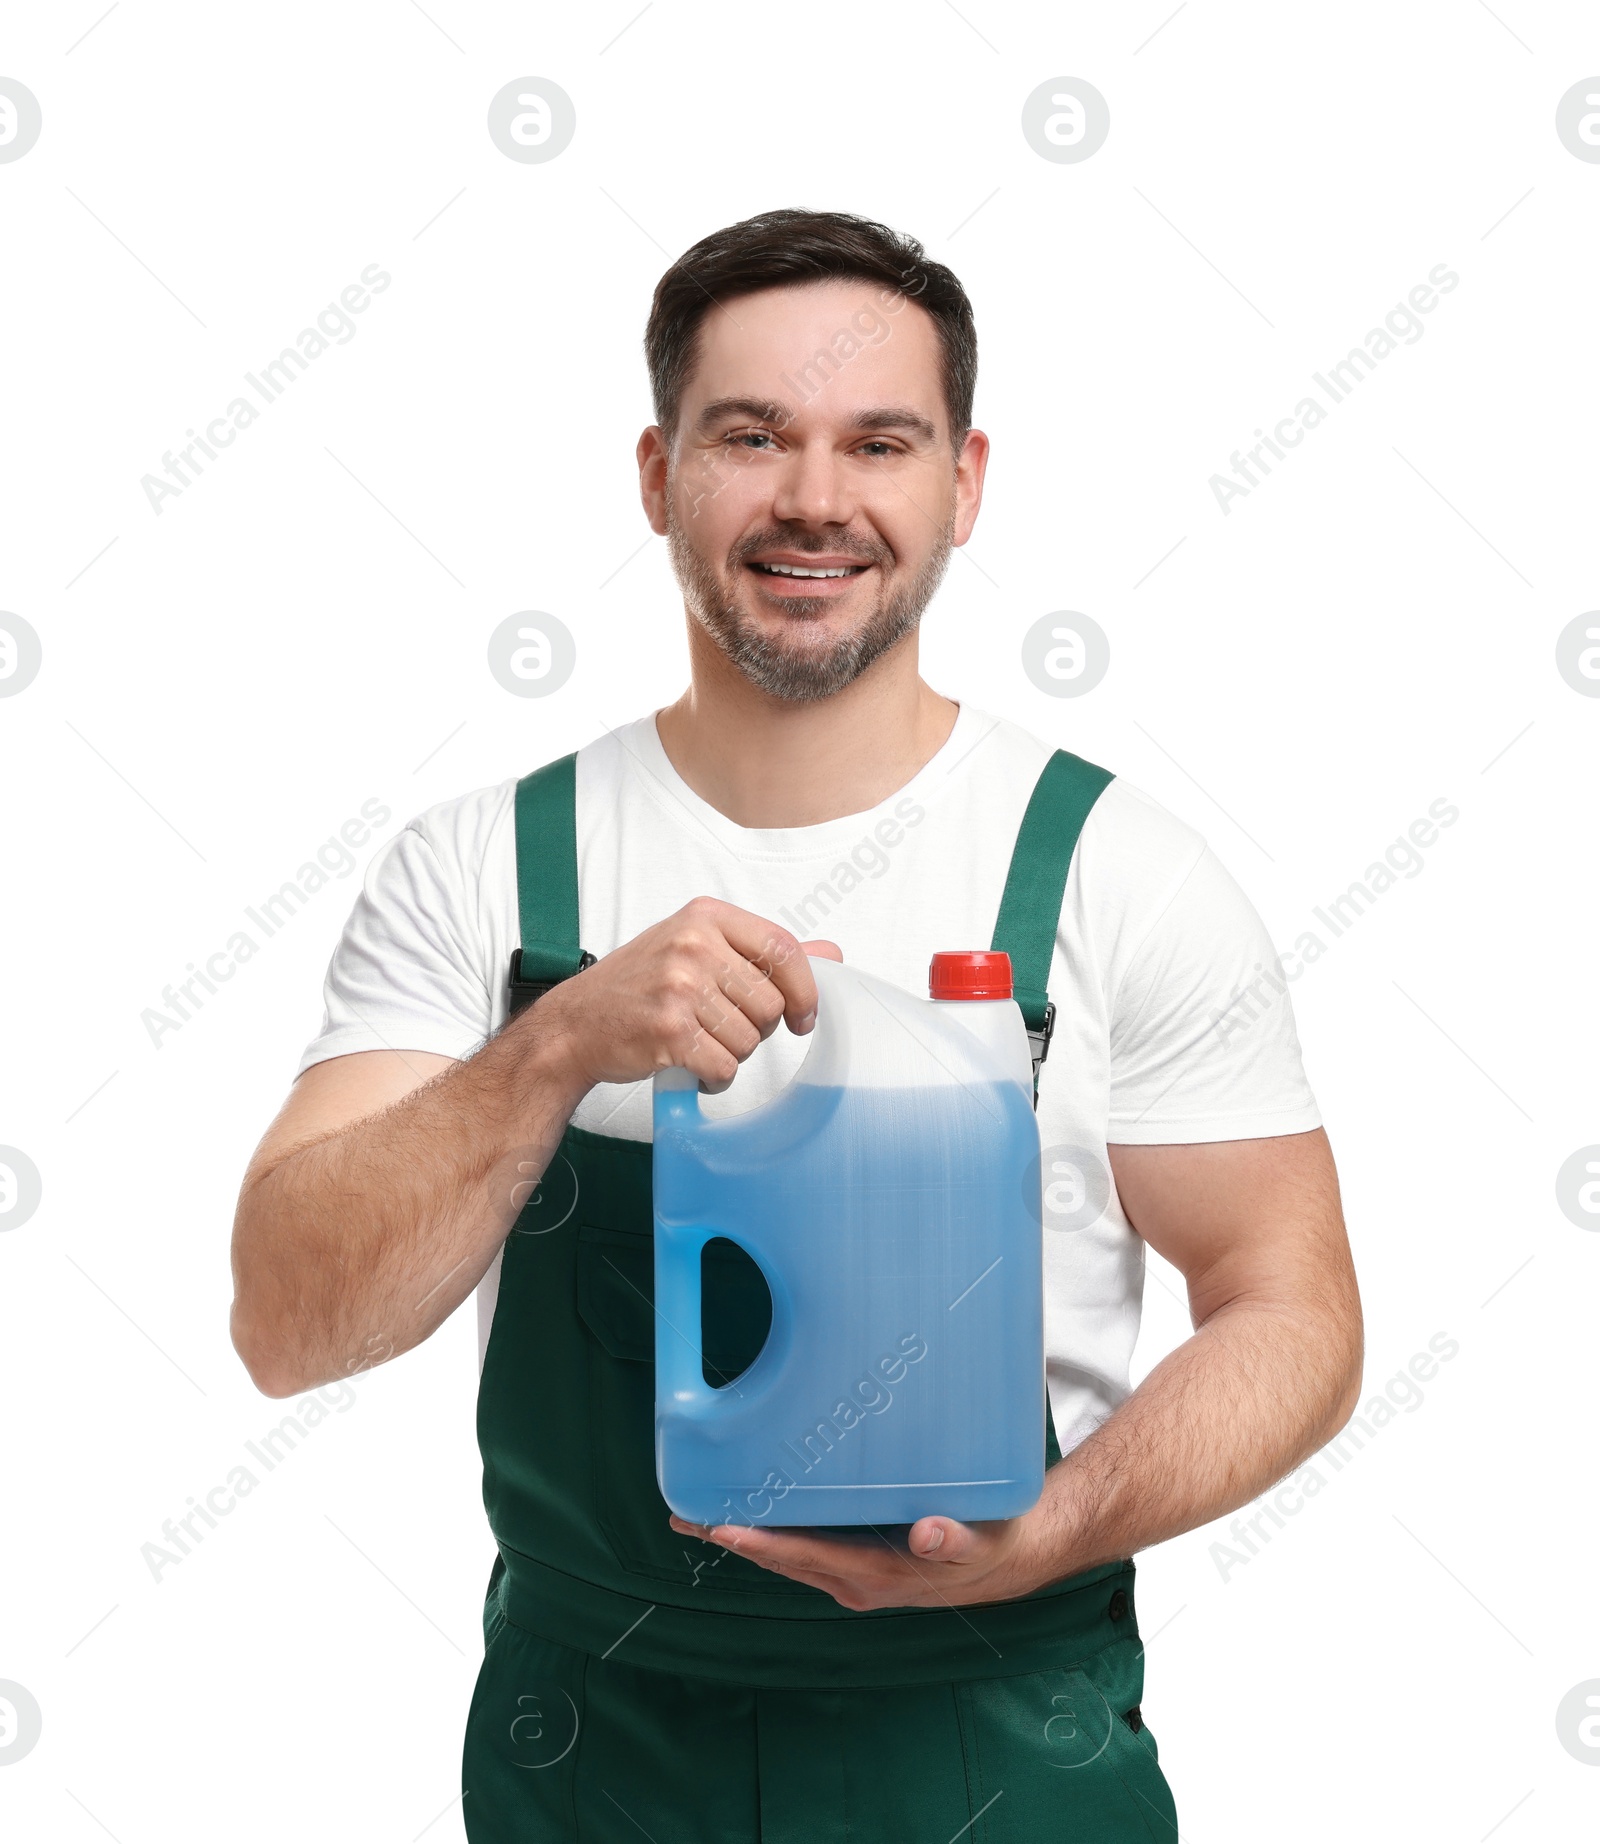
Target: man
811 466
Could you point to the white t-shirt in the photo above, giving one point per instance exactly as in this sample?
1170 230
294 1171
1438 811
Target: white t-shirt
1159 1036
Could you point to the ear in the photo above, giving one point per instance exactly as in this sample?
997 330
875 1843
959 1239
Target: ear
970 466
652 457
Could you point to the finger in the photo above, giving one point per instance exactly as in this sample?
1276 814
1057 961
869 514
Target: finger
776 954
736 1013
703 1055
942 1539
727 1024
713 959
748 987
860 1589
856 1595
831 1581
846 1572
786 1552
688 1529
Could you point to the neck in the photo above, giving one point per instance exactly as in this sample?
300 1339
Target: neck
767 762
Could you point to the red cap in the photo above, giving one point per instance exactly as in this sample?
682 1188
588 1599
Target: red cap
974 975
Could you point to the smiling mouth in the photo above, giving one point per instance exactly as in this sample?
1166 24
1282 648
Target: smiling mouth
791 569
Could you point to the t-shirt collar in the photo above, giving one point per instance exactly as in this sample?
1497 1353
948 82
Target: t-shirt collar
652 770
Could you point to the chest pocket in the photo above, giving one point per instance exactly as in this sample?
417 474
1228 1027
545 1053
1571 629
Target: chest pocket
616 1303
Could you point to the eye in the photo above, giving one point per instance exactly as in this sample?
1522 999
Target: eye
757 439
876 450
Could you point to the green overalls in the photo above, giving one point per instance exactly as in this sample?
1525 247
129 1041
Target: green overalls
642 1684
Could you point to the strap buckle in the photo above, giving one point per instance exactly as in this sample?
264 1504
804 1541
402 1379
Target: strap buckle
1039 1042
525 992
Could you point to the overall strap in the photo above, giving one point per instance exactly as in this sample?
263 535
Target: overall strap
1030 905
547 883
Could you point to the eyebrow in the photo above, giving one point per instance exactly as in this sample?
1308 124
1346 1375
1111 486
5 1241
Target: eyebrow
892 417
758 409
761 410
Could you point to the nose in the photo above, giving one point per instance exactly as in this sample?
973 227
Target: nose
812 488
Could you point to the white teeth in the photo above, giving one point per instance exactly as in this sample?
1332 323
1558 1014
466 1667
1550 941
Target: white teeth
789 569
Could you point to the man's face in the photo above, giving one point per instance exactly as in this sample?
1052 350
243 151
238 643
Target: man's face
811 496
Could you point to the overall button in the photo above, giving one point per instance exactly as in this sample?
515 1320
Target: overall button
1119 1605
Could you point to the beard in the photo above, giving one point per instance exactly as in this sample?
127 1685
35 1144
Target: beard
801 664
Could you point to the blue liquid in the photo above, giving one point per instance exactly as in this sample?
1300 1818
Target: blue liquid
899 1234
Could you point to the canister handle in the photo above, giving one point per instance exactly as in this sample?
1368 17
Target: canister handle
680 1377
681 1386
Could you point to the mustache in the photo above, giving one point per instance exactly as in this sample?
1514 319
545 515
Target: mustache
811 543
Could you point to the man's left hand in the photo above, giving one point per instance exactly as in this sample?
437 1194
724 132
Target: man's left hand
939 1562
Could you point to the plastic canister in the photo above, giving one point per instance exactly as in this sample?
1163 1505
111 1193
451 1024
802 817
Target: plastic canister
889 1197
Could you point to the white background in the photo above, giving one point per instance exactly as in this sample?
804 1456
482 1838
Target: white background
1370 630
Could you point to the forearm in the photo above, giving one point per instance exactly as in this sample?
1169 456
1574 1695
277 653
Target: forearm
1258 1388
1271 1374
354 1247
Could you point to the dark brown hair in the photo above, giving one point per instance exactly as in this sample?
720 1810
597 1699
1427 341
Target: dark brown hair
779 249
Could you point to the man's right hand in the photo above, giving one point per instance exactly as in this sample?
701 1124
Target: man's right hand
698 991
